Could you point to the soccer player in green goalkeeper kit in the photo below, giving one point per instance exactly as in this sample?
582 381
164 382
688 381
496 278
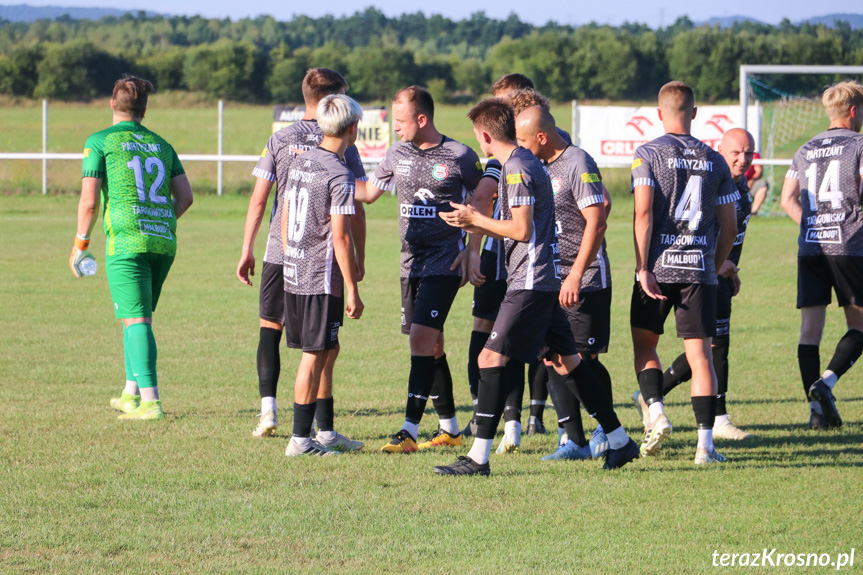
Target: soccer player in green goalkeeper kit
139 181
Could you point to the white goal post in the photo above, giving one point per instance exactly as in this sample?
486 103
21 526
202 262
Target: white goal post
747 69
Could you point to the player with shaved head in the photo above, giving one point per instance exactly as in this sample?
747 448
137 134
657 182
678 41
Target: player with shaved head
822 193
738 148
683 189
580 202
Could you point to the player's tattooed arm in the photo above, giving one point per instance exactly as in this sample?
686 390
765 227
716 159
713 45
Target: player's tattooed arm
643 229
254 216
791 199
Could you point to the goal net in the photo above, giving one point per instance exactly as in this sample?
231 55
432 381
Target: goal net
791 113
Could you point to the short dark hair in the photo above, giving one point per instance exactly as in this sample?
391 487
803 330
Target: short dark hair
509 82
130 95
419 97
494 116
322 82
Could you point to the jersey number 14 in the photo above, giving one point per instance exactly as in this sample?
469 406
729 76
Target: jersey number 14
829 190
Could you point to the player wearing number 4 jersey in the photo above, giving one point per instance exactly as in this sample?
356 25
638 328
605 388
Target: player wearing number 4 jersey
822 192
143 190
428 171
682 189
737 148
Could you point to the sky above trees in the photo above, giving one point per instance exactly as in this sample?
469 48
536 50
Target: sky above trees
614 12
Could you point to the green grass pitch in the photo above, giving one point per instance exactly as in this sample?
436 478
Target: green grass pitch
85 493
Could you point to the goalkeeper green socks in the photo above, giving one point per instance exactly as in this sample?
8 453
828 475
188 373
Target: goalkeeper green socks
141 353
131 382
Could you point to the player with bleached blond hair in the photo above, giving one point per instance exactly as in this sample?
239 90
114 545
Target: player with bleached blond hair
282 147
320 270
822 193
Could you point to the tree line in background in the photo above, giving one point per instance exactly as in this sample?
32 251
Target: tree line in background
264 60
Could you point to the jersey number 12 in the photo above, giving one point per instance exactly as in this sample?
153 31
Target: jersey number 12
150 164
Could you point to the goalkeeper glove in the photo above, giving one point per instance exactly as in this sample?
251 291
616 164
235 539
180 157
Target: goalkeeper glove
79 254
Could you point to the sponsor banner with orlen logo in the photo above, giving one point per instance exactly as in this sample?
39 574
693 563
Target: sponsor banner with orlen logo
374 130
612 133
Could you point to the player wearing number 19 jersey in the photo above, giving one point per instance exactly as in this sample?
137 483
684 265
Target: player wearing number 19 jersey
822 192
682 188
143 189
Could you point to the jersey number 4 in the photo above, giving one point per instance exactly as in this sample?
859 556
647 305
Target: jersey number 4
298 208
150 164
689 207
829 190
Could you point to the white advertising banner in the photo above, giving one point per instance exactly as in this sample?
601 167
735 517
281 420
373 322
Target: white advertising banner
612 133
374 130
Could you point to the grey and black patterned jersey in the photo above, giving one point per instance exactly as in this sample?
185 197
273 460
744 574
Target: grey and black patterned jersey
577 184
492 170
743 207
284 146
426 181
316 186
530 265
829 168
689 180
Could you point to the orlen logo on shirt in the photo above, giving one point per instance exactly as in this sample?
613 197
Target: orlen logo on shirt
440 172
555 185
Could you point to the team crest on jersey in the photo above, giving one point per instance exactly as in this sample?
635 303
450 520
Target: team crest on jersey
555 185
440 172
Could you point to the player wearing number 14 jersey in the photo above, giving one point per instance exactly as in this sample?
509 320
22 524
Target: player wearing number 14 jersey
682 189
822 193
142 187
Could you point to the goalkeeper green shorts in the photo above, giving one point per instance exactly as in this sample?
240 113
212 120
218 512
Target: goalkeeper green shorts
136 282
